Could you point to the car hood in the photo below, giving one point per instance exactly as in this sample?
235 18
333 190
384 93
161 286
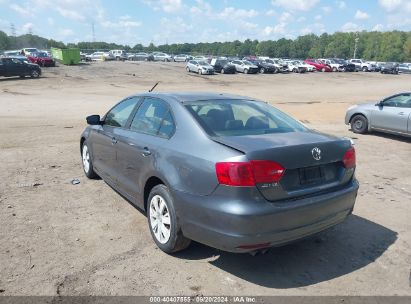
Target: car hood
369 105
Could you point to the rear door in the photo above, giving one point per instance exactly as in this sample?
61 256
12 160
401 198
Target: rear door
141 147
103 140
393 114
2 68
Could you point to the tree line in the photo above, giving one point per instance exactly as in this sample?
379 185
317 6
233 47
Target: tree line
378 46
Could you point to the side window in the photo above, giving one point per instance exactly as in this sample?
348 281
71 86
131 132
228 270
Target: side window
397 101
118 116
153 117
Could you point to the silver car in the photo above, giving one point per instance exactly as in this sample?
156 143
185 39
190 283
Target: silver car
200 67
391 115
245 66
181 58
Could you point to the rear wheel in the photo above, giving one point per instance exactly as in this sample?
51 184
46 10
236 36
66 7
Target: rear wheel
222 71
323 70
359 124
87 162
295 70
187 69
163 223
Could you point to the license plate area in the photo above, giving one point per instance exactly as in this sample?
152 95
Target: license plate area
311 175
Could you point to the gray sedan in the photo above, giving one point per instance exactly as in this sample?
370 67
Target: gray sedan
227 171
391 115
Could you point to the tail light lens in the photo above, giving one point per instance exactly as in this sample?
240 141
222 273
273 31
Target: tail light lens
248 173
349 158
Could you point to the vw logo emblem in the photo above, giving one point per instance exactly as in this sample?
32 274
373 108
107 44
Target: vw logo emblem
316 152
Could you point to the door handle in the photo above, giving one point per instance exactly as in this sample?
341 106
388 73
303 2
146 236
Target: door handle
401 113
146 152
113 140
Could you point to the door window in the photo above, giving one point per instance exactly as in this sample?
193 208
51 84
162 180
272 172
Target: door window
153 117
400 101
118 116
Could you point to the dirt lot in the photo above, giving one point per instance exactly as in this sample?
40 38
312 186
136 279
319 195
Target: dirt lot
59 238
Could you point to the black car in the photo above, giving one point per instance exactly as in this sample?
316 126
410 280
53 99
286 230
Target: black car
14 67
263 67
390 68
222 66
346 66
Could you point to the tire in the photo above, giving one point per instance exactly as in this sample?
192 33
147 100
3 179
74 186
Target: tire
188 69
245 71
359 124
365 69
275 71
200 72
323 70
334 69
163 222
295 70
262 71
222 71
34 73
87 162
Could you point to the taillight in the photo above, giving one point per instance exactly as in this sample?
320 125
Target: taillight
248 173
349 158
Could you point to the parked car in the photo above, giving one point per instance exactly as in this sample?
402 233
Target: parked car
159 56
29 51
363 65
263 67
236 174
182 58
391 115
119 54
141 56
14 67
201 67
308 67
96 56
12 53
281 67
318 65
405 68
222 66
296 67
346 66
244 66
84 56
334 65
390 68
42 59
203 58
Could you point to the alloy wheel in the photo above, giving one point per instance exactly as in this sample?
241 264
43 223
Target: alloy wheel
160 221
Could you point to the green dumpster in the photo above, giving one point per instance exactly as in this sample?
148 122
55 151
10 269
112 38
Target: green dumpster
66 56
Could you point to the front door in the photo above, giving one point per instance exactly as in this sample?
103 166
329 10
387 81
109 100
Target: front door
392 114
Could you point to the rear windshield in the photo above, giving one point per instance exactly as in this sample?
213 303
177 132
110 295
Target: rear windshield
241 117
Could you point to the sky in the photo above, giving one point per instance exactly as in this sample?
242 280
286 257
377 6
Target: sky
178 21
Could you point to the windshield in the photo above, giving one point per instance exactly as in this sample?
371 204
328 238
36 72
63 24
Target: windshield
247 62
241 117
42 55
202 63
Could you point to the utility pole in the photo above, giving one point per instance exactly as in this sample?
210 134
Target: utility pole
13 30
356 45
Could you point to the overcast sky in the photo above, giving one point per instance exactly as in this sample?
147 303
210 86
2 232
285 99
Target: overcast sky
176 21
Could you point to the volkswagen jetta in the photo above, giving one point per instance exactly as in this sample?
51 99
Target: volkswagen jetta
227 171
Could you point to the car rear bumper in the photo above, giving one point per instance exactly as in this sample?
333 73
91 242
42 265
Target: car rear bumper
238 219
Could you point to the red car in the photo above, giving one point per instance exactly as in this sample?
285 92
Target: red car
42 59
319 66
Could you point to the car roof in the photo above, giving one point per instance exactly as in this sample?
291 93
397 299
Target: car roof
193 96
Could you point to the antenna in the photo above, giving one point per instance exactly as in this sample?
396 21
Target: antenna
151 90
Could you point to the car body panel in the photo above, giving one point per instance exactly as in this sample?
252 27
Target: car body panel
15 67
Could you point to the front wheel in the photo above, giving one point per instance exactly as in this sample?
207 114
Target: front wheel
187 69
162 221
323 70
246 71
200 72
334 69
359 124
34 74
365 69
262 70
87 162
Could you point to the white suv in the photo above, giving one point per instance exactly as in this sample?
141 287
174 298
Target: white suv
362 65
119 54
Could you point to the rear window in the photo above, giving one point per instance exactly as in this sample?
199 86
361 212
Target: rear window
241 117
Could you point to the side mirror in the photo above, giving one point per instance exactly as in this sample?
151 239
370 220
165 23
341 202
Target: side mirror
379 104
93 120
